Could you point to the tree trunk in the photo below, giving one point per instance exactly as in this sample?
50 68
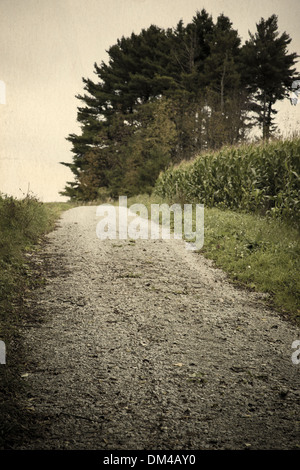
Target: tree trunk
264 119
269 120
222 85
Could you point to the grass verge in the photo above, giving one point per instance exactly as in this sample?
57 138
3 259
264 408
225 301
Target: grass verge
23 224
257 252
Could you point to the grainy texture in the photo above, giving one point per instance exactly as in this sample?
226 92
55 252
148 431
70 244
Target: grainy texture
146 346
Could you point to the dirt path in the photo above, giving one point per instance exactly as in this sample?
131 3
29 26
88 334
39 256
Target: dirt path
145 346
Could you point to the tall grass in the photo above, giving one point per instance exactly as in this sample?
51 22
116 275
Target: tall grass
21 223
263 178
22 226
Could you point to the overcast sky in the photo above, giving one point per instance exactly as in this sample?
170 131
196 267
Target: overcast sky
47 46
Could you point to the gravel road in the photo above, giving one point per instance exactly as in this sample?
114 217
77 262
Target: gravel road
145 345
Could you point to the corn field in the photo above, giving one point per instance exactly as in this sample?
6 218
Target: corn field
262 178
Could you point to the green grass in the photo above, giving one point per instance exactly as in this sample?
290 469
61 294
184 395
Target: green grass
258 252
54 211
23 224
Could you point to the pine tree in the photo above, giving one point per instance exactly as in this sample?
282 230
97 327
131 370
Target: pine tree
268 70
150 146
226 97
165 95
138 71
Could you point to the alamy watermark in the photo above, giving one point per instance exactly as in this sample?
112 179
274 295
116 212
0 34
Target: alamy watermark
2 353
116 224
296 354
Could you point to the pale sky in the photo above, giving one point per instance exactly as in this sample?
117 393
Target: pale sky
47 46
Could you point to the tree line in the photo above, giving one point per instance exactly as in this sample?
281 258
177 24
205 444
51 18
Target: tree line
165 95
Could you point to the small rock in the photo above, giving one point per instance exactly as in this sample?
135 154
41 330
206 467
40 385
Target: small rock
283 393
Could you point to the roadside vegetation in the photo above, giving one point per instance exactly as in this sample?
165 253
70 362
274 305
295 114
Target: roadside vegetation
257 252
23 224
251 195
167 95
251 215
261 178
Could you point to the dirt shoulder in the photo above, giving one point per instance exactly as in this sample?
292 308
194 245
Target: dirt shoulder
144 345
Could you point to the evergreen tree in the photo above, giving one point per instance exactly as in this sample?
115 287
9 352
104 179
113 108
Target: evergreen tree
150 146
226 97
189 50
268 70
165 95
222 66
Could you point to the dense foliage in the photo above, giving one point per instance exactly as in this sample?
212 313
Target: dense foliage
261 177
166 95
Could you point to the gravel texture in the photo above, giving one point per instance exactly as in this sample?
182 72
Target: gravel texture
145 345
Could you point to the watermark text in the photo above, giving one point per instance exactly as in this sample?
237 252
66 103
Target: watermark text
2 353
120 222
296 354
